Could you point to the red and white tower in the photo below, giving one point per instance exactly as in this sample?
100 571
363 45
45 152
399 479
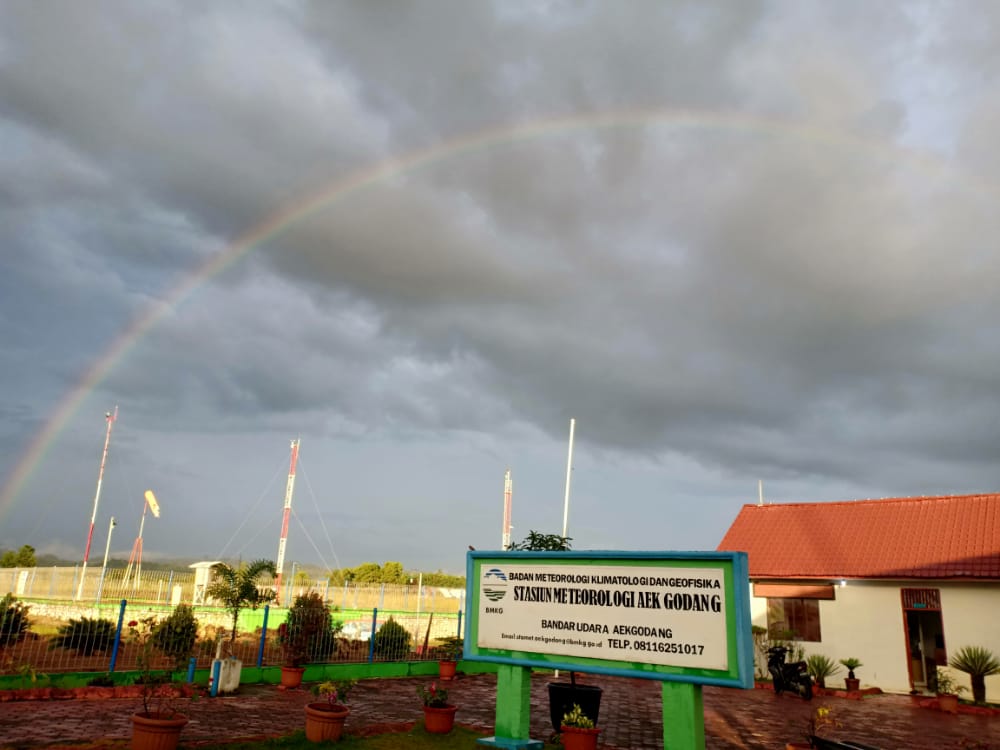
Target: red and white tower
289 488
508 491
111 418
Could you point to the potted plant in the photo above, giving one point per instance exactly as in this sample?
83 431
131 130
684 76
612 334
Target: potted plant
821 717
562 695
439 715
308 634
851 682
159 724
449 653
325 719
577 730
820 667
947 691
237 588
979 663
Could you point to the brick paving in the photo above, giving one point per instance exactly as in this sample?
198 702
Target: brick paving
631 716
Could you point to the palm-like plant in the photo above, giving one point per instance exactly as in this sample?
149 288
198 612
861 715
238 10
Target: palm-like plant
238 588
979 663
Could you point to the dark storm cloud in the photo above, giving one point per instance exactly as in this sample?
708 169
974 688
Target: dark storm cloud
747 240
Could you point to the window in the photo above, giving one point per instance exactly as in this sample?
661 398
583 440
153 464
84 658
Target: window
800 617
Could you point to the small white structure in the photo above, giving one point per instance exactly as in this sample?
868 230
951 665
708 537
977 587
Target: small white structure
202 579
900 584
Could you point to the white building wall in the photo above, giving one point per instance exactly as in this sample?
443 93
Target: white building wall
971 615
866 621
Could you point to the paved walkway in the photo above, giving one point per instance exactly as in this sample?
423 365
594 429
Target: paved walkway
630 716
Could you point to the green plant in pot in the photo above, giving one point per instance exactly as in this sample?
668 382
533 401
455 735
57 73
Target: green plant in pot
439 714
307 635
820 667
449 652
851 663
325 718
947 690
979 663
160 722
577 731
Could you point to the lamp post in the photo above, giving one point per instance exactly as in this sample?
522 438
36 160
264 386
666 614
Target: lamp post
104 567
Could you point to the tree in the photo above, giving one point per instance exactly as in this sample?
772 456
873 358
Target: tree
392 572
23 558
538 542
238 588
979 663
368 572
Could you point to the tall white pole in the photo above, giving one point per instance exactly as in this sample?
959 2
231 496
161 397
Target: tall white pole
111 419
569 472
508 489
107 547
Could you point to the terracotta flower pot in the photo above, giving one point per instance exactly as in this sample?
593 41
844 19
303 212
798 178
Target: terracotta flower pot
155 732
446 669
852 684
325 722
948 703
439 720
291 677
578 738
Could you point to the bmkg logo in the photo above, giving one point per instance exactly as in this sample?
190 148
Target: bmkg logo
494 584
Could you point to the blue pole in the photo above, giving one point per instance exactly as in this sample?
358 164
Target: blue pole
216 669
191 667
459 623
371 641
263 636
118 636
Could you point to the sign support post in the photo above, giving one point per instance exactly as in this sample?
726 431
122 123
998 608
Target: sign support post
683 717
513 710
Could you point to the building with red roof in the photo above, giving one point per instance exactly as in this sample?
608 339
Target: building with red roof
899 583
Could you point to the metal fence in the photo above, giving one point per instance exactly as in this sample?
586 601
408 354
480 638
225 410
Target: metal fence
428 614
170 587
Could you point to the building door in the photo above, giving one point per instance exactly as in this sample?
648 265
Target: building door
925 648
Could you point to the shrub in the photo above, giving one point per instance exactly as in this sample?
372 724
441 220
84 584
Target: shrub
309 634
85 636
14 622
979 663
820 667
392 641
101 680
176 635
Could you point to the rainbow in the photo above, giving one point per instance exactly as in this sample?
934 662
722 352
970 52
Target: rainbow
373 175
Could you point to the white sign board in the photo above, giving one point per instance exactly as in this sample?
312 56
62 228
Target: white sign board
651 615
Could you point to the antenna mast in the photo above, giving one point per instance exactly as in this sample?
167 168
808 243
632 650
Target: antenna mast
284 521
569 474
111 419
508 491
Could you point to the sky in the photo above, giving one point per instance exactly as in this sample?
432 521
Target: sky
736 242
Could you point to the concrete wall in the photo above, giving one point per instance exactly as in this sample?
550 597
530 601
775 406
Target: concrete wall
866 621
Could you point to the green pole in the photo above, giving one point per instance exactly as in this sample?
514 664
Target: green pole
683 717
513 701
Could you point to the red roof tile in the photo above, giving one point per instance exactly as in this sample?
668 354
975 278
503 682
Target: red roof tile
956 536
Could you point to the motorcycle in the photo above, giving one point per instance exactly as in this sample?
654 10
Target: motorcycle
792 676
